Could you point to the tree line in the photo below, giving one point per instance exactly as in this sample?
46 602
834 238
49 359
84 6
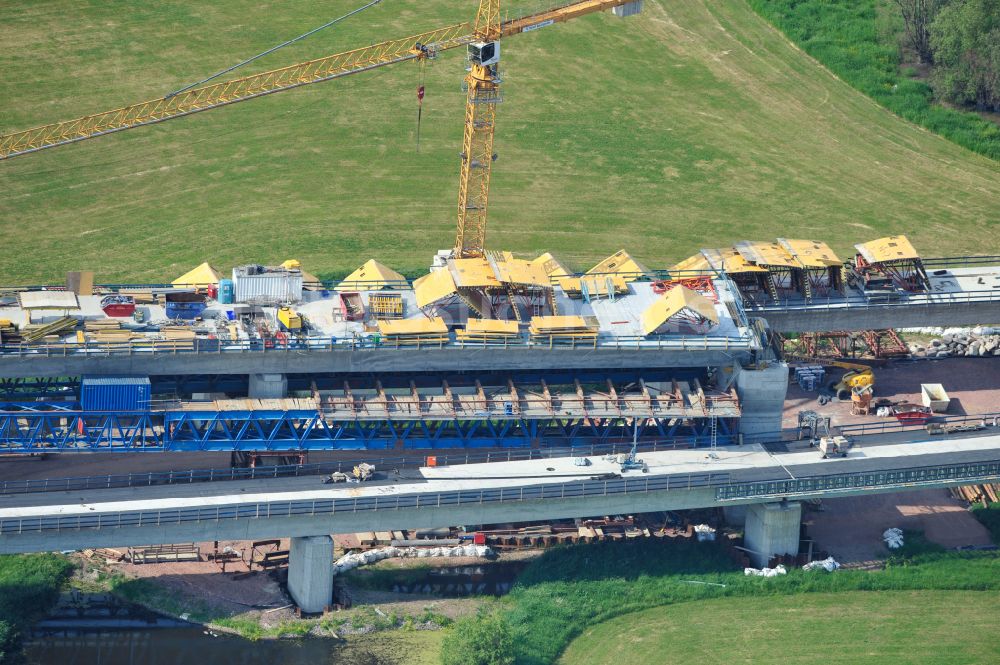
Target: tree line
960 40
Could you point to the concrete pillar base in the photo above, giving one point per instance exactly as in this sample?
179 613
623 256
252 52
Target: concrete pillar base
310 572
268 386
772 529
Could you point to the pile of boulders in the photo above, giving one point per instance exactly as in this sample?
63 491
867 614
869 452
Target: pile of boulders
968 344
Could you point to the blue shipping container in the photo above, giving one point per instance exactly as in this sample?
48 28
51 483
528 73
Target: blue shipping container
115 393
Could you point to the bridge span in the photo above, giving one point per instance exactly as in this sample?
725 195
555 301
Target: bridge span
770 478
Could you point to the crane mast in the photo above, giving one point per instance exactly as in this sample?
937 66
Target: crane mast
483 95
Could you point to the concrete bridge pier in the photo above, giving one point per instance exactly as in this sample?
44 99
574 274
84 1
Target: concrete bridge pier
268 386
310 572
762 399
772 529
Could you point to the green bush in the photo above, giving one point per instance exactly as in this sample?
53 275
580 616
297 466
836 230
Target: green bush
990 518
484 639
844 36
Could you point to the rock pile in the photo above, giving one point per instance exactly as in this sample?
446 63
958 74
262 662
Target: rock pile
958 344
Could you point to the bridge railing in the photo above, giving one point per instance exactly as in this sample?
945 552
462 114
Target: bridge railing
818 485
725 490
372 342
855 302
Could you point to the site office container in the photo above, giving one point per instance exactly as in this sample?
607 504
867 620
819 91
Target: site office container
259 284
115 393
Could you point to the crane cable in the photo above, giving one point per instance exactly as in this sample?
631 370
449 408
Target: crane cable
420 97
274 48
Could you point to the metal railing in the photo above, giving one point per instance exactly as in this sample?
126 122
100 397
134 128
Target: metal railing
726 490
971 472
372 342
892 426
836 301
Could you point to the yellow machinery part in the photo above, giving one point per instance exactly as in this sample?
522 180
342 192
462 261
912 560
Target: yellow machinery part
289 318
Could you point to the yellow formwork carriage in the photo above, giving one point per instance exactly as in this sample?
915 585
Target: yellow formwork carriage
730 261
510 270
811 253
680 301
598 286
890 248
766 254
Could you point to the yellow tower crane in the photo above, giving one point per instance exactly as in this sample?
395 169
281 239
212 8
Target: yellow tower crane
483 84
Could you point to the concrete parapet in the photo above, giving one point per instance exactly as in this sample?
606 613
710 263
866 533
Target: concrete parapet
772 529
310 572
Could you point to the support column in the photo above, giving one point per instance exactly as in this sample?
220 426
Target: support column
762 400
310 572
772 529
268 386
735 516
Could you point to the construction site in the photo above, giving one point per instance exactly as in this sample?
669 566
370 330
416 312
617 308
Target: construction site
716 398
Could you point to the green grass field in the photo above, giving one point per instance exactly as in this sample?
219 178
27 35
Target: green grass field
853 628
692 125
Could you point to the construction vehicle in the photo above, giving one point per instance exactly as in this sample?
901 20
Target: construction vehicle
834 446
482 84
857 380
358 474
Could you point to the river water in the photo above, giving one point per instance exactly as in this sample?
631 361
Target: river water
98 629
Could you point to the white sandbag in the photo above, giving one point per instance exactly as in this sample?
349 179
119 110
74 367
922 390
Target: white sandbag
828 564
765 572
893 538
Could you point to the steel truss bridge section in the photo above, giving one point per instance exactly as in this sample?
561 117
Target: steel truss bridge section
304 430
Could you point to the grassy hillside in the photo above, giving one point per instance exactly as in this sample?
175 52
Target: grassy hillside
692 125
856 627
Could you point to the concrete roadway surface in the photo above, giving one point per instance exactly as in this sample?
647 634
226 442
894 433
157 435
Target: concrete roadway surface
742 464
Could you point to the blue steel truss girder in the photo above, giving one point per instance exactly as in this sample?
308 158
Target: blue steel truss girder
303 430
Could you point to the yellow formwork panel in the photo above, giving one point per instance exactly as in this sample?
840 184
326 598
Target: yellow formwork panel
890 248
433 326
385 305
694 264
475 273
373 276
622 263
491 327
675 301
433 287
811 253
509 270
544 325
552 266
766 254
730 261
199 277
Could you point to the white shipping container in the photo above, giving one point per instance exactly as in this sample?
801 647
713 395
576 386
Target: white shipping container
270 286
